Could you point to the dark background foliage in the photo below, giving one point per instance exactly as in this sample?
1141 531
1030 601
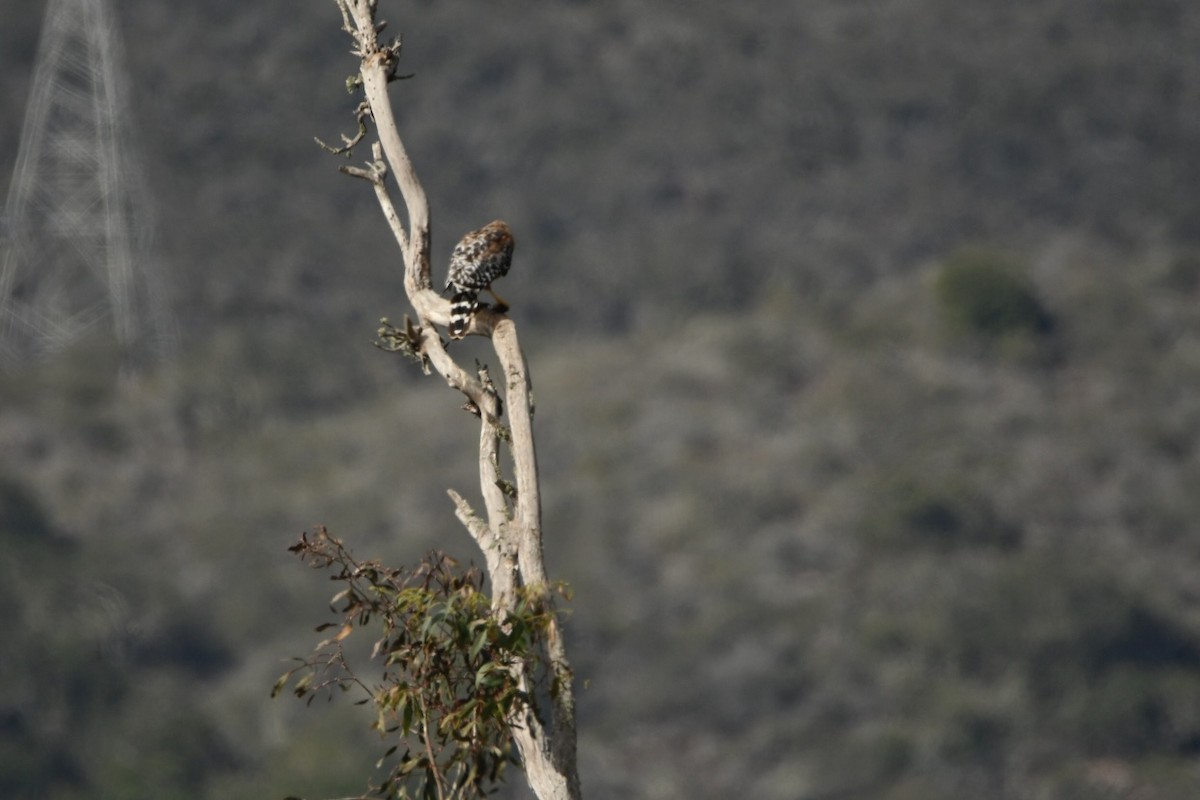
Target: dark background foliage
865 344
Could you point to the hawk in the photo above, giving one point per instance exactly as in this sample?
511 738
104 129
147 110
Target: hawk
481 257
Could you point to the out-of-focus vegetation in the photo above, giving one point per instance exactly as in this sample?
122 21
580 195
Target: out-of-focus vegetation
866 349
653 159
810 556
981 296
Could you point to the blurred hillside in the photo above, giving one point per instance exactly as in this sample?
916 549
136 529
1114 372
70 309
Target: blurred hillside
866 347
703 152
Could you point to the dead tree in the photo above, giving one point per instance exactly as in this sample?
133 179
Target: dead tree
509 533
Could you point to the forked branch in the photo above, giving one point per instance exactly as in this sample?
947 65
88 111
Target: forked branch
510 532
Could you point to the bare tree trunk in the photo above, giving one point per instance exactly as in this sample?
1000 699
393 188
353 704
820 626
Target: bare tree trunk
511 539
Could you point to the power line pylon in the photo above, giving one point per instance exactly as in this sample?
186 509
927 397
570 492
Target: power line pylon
75 261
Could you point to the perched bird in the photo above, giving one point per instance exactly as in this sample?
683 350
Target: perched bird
481 257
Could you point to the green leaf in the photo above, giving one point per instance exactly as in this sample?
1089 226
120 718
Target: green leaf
384 757
483 676
481 640
279 684
407 716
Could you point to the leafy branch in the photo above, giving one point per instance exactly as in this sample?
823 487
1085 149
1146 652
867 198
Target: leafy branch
452 669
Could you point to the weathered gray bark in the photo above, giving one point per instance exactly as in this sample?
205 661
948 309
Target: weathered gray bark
511 542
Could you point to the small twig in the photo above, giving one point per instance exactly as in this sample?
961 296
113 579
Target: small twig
374 171
407 342
392 51
438 781
361 115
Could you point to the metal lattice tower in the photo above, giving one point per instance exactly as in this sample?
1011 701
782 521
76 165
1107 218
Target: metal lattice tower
75 255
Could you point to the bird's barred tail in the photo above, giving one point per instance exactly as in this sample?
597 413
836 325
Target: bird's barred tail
462 306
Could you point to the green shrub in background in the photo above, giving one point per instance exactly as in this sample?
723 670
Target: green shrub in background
907 512
982 294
